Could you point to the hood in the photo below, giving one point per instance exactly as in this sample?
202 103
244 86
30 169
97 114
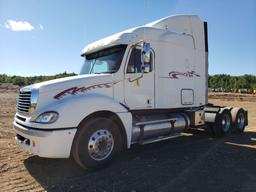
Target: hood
50 92
68 82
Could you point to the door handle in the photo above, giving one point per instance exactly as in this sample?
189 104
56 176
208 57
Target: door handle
134 79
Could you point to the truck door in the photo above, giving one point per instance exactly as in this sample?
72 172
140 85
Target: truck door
139 86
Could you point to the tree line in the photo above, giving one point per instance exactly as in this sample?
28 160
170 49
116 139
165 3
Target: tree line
22 81
220 82
227 83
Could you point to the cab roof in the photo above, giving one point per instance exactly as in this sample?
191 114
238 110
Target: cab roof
176 29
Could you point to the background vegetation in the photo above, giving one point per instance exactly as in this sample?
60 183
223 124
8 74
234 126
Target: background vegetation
216 82
232 83
22 81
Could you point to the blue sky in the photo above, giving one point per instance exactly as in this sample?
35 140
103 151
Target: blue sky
44 37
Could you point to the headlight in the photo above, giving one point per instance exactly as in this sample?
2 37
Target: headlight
47 117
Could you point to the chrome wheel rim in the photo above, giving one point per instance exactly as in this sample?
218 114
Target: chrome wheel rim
226 122
240 121
100 144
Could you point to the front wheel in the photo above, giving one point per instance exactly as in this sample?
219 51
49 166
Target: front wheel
96 142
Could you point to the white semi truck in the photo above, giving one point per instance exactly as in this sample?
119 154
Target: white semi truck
141 85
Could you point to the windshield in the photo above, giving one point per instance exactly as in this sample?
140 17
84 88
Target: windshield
104 61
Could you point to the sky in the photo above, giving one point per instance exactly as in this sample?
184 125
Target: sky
45 37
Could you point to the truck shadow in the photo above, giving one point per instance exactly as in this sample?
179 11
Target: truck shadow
195 162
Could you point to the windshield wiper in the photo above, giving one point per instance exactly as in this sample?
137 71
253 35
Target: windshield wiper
92 66
104 72
108 72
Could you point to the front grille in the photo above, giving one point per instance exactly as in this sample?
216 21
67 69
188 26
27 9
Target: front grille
21 118
24 101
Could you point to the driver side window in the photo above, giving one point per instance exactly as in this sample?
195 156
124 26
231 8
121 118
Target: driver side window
134 64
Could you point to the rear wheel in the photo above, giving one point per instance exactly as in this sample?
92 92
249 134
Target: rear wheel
96 142
239 120
223 123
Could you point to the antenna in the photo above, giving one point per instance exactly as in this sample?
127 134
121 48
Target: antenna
144 28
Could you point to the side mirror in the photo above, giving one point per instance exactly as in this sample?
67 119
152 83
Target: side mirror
145 57
146 47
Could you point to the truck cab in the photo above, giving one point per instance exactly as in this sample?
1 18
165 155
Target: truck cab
141 85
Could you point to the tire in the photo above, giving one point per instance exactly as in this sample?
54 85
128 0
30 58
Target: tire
239 120
209 129
96 142
223 123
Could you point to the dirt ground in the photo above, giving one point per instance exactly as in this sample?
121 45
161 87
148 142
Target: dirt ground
196 162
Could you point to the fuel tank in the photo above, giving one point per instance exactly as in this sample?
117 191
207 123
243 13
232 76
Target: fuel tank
153 126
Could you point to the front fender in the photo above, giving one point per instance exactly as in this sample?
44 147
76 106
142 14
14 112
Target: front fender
75 110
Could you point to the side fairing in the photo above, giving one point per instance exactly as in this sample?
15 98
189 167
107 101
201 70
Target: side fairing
180 76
